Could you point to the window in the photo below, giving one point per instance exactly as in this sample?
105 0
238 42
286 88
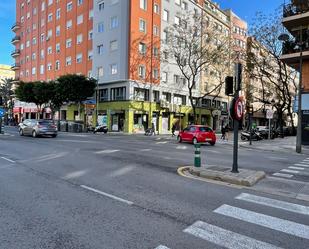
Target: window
165 36
21 46
164 77
155 52
68 43
142 48
33 57
49 67
68 61
80 19
50 2
167 96
41 69
42 53
79 2
103 95
69 6
90 14
50 17
141 94
179 99
113 45
142 71
177 20
49 50
142 25
90 35
165 15
57 65
118 93
155 73
42 22
58 14
34 26
114 69
156 96
101 6
114 22
100 71
43 6
79 39
100 27
33 71
143 4
58 30
58 48
90 55
100 49
79 58
176 79
184 5
156 8
177 2
69 24
49 34
27 44
33 40
155 30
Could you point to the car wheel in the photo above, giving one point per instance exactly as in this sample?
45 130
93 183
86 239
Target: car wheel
212 143
179 139
194 141
21 132
34 134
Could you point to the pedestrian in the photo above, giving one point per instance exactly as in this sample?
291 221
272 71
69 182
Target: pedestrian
227 128
153 129
173 130
223 133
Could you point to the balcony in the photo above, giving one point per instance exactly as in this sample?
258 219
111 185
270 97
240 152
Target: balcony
15 53
291 53
16 39
296 14
15 27
15 66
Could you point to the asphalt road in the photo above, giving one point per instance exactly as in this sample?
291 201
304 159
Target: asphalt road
118 191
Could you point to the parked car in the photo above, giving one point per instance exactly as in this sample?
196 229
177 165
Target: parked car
100 128
264 132
197 134
37 128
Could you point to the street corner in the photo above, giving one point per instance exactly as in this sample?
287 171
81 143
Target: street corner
222 175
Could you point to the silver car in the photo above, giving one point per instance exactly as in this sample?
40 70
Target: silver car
37 128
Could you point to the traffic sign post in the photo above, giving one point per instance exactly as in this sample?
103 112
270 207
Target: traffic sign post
269 116
2 112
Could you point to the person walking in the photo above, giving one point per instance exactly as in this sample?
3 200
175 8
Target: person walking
153 129
173 130
227 128
223 133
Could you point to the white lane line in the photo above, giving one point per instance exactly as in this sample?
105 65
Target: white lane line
283 175
7 159
289 171
106 151
145 149
107 195
225 238
263 220
301 165
298 168
161 247
274 203
213 151
162 142
305 161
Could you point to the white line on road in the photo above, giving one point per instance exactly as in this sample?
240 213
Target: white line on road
145 149
289 171
7 159
107 195
263 220
162 142
105 151
301 165
283 175
161 247
274 203
298 168
225 238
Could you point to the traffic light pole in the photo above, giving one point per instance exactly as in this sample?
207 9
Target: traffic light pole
235 148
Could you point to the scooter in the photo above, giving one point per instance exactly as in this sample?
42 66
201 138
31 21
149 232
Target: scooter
100 128
255 135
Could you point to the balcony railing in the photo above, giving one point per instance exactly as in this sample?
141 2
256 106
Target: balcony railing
15 53
15 66
16 39
295 8
291 47
15 26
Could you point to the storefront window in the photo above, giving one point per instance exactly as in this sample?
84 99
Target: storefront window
118 93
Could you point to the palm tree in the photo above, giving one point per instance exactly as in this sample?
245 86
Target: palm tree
6 94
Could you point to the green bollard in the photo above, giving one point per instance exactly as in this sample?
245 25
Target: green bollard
197 155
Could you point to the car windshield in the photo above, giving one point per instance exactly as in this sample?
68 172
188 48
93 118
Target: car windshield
205 129
46 122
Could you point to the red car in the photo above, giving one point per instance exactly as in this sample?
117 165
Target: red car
197 134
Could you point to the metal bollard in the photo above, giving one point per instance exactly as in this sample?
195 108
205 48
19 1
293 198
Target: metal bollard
197 155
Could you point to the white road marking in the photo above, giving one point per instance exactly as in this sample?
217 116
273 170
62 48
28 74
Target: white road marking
278 158
51 156
225 238
146 149
305 161
301 165
7 159
283 175
181 147
213 151
107 195
299 168
274 203
165 142
161 247
289 171
74 174
106 151
263 220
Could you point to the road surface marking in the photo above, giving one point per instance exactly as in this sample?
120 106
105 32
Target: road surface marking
278 158
146 149
292 167
225 238
161 247
74 174
283 175
301 165
305 161
105 151
122 171
107 195
213 151
289 171
263 220
274 203
162 142
7 159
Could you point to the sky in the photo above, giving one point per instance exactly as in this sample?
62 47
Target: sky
245 9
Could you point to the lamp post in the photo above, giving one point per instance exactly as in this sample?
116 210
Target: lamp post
285 38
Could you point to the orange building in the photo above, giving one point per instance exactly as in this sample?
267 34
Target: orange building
52 38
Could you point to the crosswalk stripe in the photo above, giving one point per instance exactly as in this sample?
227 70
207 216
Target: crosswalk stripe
274 223
289 171
301 165
161 247
225 238
299 168
274 203
106 151
283 175
305 161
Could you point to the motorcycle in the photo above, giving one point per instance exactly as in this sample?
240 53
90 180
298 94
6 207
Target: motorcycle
100 128
255 135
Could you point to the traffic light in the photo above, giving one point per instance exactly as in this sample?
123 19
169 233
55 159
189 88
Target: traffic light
229 81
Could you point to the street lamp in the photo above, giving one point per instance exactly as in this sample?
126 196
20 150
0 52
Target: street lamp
285 38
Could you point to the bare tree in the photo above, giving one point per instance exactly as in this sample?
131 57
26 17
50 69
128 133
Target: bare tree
277 78
6 92
196 45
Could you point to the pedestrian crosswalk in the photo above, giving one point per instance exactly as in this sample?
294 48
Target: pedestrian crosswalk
220 236
297 169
